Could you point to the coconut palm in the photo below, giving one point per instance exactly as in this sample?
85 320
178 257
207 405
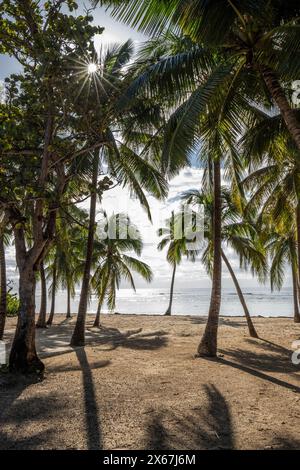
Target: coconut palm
228 55
282 246
239 233
274 180
41 322
257 43
178 246
123 164
66 259
114 264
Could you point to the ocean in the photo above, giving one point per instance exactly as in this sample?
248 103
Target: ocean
190 301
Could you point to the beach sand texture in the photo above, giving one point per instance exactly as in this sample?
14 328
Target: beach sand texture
137 385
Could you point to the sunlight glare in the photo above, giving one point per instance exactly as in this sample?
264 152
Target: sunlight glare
92 68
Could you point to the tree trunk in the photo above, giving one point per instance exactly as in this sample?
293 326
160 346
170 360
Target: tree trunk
251 328
53 293
295 294
97 319
41 323
23 357
68 301
169 309
208 343
279 97
298 248
3 288
78 337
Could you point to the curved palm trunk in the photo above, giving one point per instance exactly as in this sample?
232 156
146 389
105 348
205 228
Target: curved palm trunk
279 97
169 309
3 288
97 319
208 343
53 293
251 327
78 337
295 294
68 301
41 323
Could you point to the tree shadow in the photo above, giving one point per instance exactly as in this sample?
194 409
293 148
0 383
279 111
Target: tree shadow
92 421
56 341
258 374
264 361
209 428
16 412
222 321
286 443
270 346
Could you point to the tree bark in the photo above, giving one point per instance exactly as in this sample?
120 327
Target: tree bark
23 356
68 301
208 343
169 309
53 293
78 337
97 319
251 328
3 288
298 248
295 294
279 97
41 323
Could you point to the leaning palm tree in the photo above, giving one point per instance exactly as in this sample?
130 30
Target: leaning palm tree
177 248
283 249
114 262
273 182
41 322
229 54
257 42
123 164
66 258
239 233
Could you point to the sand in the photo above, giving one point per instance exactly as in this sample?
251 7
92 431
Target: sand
137 385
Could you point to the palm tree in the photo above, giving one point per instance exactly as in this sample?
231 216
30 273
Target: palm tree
52 276
274 179
123 163
226 55
239 233
65 260
257 42
41 322
177 248
283 248
114 263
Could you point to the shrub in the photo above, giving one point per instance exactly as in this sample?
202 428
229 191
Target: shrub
13 305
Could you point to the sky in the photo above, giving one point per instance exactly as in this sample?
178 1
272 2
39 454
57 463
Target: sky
118 199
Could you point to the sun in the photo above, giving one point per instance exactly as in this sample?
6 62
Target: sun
92 68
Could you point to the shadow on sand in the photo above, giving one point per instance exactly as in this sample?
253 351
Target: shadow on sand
17 411
204 428
55 341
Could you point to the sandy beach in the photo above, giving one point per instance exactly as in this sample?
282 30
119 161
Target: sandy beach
137 385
